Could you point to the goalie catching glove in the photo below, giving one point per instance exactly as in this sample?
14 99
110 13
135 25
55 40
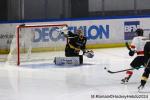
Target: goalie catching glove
89 54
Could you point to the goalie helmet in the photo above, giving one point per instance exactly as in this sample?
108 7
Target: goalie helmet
89 54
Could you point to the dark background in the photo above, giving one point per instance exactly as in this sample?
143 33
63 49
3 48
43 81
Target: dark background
58 9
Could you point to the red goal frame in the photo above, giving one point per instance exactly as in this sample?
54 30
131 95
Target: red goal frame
29 26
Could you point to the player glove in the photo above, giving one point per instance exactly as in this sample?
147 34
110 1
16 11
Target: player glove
137 68
131 53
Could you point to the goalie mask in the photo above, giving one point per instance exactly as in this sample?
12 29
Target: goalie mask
89 54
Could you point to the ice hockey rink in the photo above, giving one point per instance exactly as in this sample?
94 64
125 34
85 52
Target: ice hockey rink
45 81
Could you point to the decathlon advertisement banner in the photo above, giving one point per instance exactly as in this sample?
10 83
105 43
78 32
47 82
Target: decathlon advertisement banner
99 32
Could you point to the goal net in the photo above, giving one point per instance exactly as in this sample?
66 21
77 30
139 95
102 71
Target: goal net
36 43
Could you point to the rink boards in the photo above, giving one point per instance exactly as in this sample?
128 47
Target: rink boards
100 32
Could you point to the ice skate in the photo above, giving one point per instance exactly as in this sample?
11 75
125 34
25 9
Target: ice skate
140 87
124 81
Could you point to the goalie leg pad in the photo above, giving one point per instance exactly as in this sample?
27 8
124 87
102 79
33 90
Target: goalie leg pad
67 61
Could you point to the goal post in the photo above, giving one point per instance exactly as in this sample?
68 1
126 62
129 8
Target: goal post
35 38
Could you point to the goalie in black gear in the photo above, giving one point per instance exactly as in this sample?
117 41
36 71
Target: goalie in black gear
75 42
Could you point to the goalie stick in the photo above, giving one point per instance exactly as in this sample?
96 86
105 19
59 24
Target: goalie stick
113 72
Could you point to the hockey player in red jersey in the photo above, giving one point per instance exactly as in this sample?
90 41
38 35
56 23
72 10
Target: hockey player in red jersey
137 46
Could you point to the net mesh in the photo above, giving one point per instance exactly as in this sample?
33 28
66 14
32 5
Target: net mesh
36 43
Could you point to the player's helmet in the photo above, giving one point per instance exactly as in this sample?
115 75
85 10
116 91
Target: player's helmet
139 32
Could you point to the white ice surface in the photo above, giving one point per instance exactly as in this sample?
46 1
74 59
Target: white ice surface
44 81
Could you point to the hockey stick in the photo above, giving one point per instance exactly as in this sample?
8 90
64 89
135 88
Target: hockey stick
127 45
131 52
112 72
